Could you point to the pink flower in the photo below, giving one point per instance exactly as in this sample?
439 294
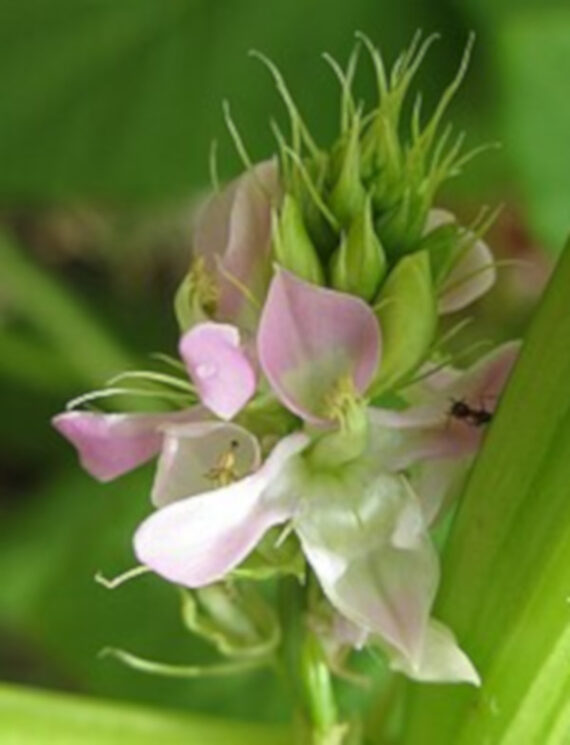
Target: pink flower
311 338
360 527
233 236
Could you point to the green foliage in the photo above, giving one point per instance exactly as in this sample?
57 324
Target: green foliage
32 718
505 570
534 51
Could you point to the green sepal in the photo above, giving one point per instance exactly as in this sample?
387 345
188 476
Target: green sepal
347 195
292 245
196 297
406 311
359 263
233 617
265 416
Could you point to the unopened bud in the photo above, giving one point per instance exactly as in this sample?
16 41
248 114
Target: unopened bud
292 244
406 311
347 195
359 263
401 227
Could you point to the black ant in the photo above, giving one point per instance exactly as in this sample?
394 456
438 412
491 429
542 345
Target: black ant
460 409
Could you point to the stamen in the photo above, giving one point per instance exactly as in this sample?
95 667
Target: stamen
224 472
340 400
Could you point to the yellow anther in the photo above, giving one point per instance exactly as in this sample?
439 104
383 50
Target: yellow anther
225 471
340 400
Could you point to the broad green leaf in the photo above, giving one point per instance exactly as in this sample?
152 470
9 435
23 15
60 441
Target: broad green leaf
28 717
506 569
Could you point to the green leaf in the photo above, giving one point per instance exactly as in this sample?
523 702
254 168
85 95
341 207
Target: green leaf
505 589
28 717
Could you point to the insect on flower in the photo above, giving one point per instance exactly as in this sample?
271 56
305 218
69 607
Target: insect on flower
460 409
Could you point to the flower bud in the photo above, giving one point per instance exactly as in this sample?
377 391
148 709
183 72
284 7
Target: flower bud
359 263
406 310
292 245
401 227
347 196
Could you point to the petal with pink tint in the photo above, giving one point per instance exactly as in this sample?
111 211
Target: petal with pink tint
233 234
441 660
109 445
374 561
473 274
219 367
438 482
197 541
191 453
310 338
483 383
430 430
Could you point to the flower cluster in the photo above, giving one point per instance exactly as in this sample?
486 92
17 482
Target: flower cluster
322 430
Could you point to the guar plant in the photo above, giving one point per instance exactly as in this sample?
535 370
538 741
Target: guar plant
315 431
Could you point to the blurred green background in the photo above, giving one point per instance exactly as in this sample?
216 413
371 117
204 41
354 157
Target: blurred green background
107 109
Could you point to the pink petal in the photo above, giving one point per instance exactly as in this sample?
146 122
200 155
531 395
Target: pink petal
219 367
198 540
482 384
376 565
429 430
310 338
235 228
109 445
190 452
472 276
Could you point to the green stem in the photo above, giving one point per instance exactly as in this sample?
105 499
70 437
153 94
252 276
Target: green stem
306 672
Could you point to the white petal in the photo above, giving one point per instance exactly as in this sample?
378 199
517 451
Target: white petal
190 453
375 564
196 541
441 660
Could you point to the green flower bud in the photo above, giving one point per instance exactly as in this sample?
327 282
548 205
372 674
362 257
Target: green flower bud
406 310
292 245
359 263
401 227
347 196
